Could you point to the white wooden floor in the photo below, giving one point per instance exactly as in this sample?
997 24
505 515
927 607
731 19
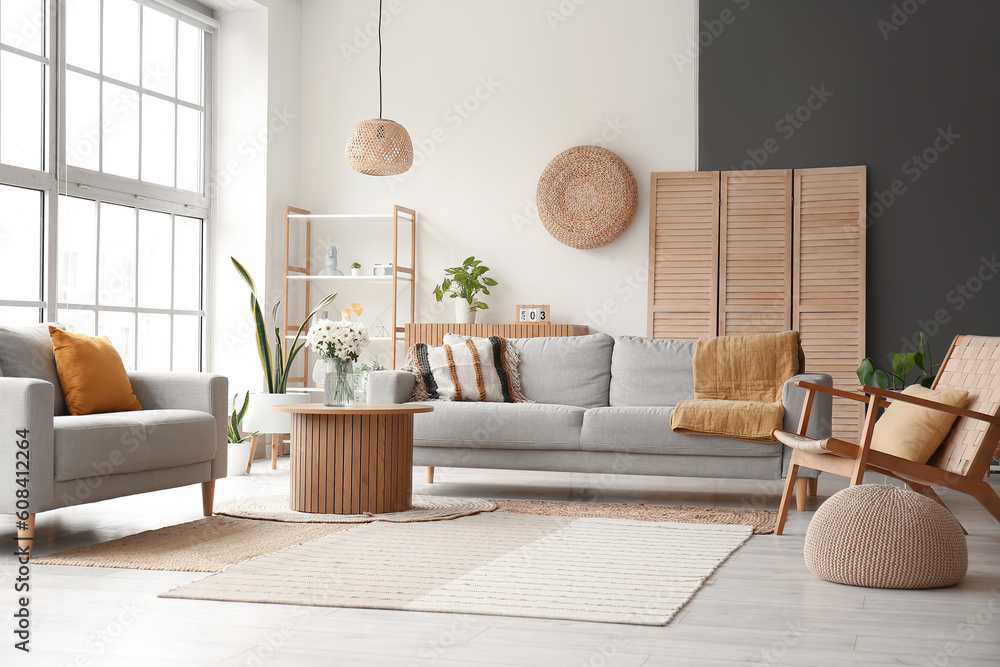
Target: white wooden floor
762 607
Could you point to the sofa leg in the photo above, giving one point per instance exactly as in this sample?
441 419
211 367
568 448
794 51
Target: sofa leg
801 492
813 485
430 474
207 497
26 534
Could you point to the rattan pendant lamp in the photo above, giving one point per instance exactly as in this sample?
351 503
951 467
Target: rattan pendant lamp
379 146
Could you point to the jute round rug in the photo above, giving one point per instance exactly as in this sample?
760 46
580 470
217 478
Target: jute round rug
762 521
425 508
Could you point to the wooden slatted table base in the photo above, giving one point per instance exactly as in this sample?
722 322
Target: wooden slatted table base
351 460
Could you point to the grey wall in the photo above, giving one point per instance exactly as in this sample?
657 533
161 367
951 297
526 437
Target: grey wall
908 88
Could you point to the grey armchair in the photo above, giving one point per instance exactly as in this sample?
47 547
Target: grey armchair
55 460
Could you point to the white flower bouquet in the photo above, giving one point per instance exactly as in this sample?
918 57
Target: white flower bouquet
337 340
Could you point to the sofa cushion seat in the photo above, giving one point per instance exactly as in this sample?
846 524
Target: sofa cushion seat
126 442
646 430
499 426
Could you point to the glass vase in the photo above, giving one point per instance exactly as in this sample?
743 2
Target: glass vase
338 388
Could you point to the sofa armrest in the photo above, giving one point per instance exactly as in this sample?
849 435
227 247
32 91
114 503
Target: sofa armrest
390 386
188 391
820 418
27 404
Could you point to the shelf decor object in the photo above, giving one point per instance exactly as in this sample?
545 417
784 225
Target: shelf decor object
379 146
587 197
532 314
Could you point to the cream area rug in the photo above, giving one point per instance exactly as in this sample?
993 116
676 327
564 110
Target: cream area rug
205 545
425 508
610 570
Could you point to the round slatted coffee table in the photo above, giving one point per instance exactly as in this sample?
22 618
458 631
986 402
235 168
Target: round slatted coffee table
351 460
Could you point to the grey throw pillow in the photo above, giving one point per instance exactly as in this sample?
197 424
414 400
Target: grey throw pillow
26 352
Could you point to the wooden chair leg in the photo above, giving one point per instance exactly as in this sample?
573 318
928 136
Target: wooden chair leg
253 450
275 439
988 498
813 485
801 493
207 497
430 474
26 534
786 498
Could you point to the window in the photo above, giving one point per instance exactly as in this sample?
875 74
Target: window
103 223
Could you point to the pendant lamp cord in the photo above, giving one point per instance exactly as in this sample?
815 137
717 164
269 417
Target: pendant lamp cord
379 58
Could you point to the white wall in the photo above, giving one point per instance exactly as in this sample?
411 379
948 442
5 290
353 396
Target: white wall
238 184
490 92
255 172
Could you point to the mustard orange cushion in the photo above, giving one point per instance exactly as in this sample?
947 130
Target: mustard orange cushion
92 374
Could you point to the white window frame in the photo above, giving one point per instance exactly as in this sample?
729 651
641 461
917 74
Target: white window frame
57 178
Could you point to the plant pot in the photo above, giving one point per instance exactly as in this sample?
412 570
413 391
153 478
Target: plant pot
260 417
239 454
462 313
355 272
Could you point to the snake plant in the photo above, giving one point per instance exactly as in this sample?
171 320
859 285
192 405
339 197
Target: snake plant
276 369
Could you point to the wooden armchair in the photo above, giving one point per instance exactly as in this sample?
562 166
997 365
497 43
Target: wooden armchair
960 463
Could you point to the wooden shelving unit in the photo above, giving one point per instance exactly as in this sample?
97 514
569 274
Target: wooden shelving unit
300 275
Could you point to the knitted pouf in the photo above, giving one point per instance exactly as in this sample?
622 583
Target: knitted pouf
882 536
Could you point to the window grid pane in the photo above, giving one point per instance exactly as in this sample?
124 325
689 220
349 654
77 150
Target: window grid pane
153 52
132 274
20 244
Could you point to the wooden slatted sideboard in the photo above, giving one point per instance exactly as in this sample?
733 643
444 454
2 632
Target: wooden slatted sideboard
433 333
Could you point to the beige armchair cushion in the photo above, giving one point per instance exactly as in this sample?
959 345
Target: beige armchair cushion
914 432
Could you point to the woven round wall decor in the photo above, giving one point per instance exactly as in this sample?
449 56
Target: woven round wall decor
587 197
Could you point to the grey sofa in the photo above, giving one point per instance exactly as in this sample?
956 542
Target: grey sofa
603 406
179 438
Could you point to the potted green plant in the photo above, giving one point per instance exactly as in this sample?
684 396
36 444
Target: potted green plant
239 443
870 374
276 364
463 283
355 269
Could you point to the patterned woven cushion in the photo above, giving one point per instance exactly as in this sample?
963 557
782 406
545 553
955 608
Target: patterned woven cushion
474 369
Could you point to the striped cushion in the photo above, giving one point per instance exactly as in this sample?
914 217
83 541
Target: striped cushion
477 369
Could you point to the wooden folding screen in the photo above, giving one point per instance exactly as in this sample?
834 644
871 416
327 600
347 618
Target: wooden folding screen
829 280
755 252
684 255
736 253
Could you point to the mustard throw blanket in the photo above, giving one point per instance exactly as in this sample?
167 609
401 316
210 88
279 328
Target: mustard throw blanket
737 386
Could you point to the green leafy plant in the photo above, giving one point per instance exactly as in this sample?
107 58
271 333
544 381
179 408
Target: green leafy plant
465 282
869 373
235 417
355 265
276 368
